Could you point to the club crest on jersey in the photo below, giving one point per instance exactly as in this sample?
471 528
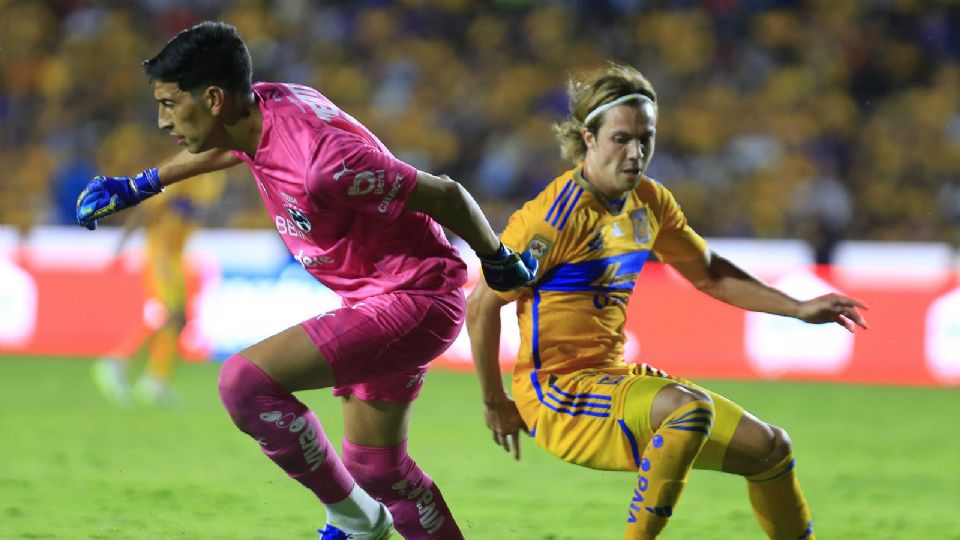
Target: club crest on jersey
641 225
300 219
539 246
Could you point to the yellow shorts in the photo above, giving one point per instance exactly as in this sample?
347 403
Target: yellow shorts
600 418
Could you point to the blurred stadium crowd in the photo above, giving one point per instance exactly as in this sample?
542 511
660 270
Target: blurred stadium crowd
814 119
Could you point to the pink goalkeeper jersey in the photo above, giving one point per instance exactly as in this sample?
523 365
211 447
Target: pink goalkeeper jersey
336 195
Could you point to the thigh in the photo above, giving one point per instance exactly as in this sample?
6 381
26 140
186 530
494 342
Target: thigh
379 349
583 419
375 423
726 418
602 418
291 359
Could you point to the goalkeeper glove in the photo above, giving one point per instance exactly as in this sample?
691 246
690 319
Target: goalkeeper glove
105 195
507 270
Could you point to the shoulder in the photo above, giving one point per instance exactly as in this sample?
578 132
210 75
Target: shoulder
654 193
556 202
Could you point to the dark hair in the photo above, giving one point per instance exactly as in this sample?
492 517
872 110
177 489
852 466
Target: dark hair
211 53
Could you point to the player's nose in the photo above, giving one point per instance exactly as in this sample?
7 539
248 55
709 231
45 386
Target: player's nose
164 122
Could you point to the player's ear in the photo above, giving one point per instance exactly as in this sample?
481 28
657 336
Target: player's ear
214 98
588 138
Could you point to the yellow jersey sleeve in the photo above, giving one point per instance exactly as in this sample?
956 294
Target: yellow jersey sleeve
677 241
537 226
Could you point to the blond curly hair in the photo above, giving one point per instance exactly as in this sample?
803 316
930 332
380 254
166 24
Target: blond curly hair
589 92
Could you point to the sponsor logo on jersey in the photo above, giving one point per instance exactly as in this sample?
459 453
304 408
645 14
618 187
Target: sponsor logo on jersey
365 182
287 227
299 219
289 198
539 246
385 203
307 261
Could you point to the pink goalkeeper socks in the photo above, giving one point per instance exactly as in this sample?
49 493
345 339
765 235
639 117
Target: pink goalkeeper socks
288 432
392 477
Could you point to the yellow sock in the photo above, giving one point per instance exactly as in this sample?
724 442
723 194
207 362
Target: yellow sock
664 466
163 353
778 502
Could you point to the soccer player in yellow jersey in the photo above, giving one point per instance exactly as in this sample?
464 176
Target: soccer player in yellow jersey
592 228
168 223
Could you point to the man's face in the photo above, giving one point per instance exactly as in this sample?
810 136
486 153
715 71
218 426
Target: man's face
618 155
185 117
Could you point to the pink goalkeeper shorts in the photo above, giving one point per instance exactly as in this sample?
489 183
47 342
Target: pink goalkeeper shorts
379 348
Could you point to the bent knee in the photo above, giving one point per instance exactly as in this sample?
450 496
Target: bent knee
769 446
673 397
780 445
241 384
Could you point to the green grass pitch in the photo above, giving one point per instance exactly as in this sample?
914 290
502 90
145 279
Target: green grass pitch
875 462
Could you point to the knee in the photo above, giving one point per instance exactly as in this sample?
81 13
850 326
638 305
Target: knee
771 450
673 397
241 384
779 447
373 466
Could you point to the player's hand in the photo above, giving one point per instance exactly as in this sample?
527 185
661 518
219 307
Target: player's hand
829 308
504 421
507 270
105 195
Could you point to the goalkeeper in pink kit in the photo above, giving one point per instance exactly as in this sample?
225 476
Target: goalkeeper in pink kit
366 225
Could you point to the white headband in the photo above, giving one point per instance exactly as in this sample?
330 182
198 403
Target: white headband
622 99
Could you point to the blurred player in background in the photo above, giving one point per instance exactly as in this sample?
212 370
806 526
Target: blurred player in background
592 228
364 224
168 223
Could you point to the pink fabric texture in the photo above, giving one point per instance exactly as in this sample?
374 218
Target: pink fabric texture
379 348
336 195
288 432
393 478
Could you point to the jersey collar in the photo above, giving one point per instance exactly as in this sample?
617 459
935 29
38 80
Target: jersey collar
611 207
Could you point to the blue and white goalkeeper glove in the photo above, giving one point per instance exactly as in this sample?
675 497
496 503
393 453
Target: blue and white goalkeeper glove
508 270
105 195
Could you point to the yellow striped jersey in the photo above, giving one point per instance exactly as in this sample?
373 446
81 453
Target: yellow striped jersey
590 251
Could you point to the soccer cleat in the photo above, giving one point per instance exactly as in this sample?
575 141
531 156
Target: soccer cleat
155 393
381 531
110 376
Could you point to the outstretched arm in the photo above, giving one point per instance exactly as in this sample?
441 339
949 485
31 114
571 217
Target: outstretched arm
725 281
106 195
187 164
483 326
452 206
